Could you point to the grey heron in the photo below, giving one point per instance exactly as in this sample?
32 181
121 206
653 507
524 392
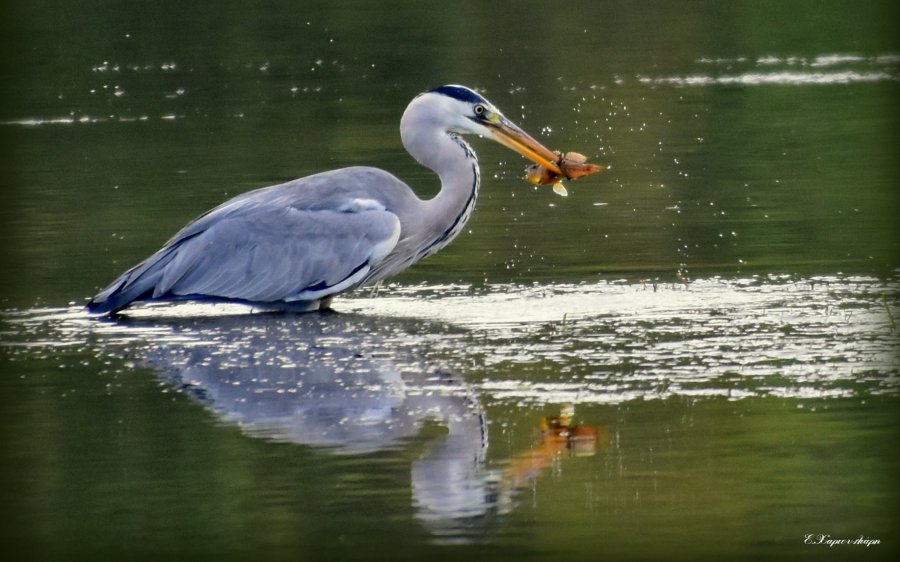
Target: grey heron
298 244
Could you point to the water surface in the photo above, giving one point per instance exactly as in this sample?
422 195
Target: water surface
711 325
759 408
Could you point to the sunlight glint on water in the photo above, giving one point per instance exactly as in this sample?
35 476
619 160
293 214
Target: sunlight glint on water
595 343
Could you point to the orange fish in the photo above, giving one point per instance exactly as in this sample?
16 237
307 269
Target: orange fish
572 165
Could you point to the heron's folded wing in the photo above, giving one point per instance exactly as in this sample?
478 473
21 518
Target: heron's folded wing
282 254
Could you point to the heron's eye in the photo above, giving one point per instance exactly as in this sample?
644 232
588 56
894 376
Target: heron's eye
479 109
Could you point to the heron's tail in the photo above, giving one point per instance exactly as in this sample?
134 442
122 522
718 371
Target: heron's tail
136 284
117 296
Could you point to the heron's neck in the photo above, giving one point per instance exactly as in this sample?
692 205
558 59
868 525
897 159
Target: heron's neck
455 163
438 220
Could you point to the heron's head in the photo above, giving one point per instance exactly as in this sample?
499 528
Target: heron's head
458 109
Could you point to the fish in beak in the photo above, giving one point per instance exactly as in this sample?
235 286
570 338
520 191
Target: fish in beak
550 167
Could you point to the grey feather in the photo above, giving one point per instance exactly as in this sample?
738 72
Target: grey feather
280 243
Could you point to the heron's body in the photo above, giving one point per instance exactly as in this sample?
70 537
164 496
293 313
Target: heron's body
297 244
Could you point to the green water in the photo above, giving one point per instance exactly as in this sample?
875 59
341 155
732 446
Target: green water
720 307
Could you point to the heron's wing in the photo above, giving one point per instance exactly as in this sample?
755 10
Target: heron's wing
262 253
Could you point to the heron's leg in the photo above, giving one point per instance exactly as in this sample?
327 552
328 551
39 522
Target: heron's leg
325 304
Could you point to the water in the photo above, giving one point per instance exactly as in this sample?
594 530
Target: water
712 323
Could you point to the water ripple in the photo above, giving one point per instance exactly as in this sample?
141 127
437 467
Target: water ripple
825 69
607 342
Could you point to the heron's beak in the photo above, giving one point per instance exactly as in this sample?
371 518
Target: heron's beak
511 136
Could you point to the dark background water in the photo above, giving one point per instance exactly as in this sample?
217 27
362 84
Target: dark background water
123 123
720 305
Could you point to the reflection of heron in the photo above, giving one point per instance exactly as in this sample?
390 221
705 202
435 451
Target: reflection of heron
354 384
350 383
298 244
347 384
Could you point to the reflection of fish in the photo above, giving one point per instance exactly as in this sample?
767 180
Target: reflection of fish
580 439
558 433
572 165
